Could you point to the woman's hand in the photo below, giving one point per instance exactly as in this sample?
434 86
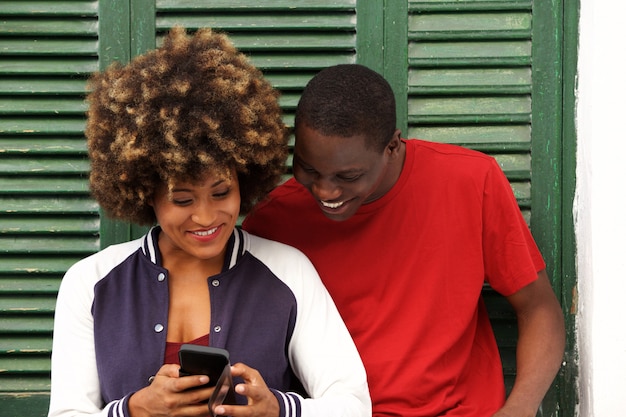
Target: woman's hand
261 401
170 395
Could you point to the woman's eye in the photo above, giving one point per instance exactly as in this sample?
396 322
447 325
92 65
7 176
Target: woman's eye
182 202
221 194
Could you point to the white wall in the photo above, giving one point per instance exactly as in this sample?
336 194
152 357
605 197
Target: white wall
600 208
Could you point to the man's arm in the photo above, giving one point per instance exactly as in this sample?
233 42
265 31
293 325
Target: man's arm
540 346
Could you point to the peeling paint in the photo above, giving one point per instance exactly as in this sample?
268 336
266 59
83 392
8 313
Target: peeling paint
573 309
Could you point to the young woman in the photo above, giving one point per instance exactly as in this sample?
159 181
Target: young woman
187 138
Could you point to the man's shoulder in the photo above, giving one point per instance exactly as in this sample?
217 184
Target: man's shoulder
449 159
446 149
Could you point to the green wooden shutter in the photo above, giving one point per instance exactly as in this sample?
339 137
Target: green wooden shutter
47 221
465 72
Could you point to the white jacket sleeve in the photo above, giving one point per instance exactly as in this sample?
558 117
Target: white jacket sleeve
75 389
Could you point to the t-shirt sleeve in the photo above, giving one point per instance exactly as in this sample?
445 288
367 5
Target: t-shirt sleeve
511 256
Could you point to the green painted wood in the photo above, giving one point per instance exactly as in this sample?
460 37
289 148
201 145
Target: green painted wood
304 41
77 8
142 26
41 125
370 46
255 5
24 305
25 405
53 226
51 245
46 205
34 344
39 66
49 47
438 5
568 396
311 63
17 284
26 166
547 150
49 27
470 54
396 57
18 86
41 105
260 22
27 384
508 137
57 186
34 323
114 37
35 265
478 107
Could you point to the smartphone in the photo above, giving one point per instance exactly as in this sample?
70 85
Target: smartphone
224 392
214 362
203 360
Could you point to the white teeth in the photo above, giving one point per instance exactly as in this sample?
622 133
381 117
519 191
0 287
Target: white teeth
206 232
332 205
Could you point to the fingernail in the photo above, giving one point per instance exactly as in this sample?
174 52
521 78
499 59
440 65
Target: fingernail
204 379
219 410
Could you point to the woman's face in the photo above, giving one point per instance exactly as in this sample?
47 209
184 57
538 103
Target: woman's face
198 218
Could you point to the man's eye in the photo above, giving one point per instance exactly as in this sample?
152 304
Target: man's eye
305 168
350 178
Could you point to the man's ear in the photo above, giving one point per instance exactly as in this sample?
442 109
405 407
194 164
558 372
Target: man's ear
395 142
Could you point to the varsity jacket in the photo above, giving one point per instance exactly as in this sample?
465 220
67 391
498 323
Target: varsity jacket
269 309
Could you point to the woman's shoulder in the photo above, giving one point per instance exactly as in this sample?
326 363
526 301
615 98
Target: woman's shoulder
260 246
286 262
102 262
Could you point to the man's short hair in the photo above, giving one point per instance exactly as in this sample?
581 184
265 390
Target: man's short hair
348 100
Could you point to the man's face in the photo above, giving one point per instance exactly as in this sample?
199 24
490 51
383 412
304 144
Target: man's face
341 173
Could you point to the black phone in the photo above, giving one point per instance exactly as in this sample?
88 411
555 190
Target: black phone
203 360
224 392
214 362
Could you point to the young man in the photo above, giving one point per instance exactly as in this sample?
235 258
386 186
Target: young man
404 233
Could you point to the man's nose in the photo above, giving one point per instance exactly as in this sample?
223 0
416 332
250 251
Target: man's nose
325 190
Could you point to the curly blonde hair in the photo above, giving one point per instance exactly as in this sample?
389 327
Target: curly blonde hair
193 106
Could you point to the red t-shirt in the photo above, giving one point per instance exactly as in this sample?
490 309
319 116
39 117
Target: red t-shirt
407 271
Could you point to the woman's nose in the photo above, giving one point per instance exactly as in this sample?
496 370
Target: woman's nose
204 215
